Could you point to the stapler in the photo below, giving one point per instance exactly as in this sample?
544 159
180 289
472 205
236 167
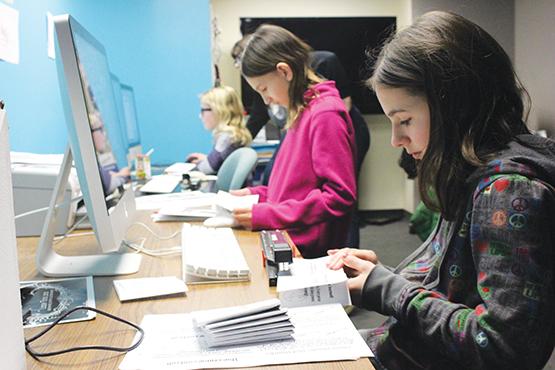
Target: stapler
277 253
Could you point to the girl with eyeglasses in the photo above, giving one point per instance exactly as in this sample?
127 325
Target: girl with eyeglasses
221 112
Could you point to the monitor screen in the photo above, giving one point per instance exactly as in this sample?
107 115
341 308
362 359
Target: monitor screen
130 113
102 113
355 37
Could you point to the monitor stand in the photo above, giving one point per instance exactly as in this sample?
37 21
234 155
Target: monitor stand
50 263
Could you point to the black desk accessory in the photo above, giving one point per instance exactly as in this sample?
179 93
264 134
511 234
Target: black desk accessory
277 253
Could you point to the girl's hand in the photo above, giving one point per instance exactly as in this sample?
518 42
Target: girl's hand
240 192
362 269
243 216
124 172
195 158
337 255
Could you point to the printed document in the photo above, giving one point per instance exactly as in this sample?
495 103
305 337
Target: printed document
312 282
322 333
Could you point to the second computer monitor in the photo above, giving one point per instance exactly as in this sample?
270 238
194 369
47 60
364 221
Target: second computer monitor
131 130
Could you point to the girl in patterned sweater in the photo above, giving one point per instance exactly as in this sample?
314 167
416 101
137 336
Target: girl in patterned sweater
221 111
479 293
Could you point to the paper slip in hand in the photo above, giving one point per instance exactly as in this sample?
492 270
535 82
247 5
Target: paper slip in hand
225 203
199 207
312 282
129 289
231 202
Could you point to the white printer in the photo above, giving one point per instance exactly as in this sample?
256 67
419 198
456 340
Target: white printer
34 177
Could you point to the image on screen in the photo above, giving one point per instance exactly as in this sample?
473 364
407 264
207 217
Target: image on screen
102 115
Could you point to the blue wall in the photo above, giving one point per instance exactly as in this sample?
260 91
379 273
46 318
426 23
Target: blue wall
160 47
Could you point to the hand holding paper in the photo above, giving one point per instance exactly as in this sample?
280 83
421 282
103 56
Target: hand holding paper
236 210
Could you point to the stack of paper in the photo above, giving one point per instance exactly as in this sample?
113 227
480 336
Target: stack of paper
195 207
312 282
253 323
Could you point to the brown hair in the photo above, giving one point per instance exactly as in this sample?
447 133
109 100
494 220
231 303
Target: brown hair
270 45
474 97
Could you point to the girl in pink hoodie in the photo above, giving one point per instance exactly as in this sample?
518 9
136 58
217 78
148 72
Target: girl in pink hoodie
312 190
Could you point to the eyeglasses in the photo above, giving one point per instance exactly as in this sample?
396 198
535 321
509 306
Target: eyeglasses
202 110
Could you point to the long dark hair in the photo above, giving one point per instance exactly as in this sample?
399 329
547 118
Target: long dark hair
474 97
272 44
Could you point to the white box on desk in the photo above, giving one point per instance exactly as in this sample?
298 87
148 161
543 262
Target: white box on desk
32 189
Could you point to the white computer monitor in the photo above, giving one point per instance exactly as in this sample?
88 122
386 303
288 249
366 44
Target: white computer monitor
88 101
132 132
12 349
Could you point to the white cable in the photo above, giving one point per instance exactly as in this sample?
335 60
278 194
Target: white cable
77 223
154 233
139 248
74 235
46 208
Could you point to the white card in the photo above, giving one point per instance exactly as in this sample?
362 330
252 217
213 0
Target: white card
129 289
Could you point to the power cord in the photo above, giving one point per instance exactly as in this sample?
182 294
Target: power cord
25 214
159 237
36 354
67 234
140 248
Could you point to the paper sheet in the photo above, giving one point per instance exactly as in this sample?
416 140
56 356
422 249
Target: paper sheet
180 168
50 49
128 289
322 333
185 199
9 34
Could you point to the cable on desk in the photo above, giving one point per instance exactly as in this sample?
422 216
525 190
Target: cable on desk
139 248
159 237
36 355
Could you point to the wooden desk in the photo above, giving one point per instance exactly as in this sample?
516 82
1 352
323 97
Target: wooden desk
108 332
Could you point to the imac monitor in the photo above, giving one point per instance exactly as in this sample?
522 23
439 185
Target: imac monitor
131 123
88 100
12 348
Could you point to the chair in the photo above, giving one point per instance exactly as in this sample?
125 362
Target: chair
236 168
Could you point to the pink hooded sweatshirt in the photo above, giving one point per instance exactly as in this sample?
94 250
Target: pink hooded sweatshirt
312 189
